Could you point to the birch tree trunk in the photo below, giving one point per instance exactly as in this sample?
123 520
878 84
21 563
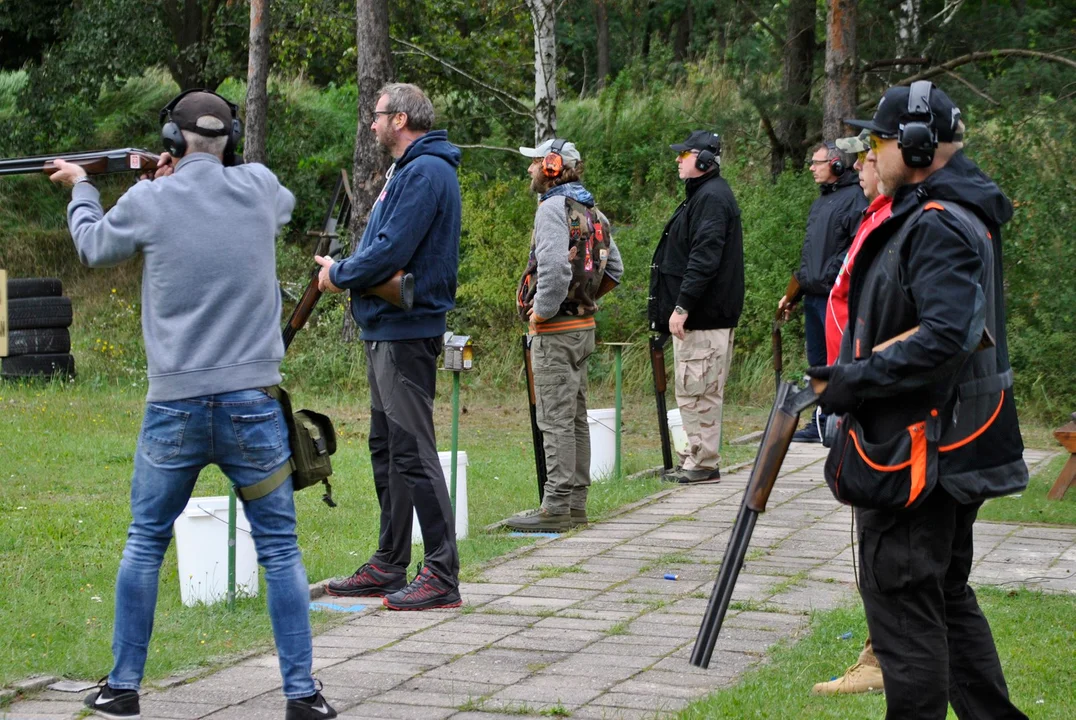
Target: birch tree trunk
839 92
371 160
257 83
908 22
601 14
791 130
543 16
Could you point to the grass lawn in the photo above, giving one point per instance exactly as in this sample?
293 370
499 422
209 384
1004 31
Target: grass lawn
1035 635
66 457
1031 506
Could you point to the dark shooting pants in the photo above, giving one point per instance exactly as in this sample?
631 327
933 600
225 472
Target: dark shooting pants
403 451
929 635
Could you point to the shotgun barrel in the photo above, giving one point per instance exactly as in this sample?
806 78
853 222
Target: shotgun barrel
784 416
536 433
95 162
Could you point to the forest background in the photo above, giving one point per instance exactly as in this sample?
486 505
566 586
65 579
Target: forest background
620 78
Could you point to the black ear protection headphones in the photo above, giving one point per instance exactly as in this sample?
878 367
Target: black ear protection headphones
172 134
553 162
918 138
707 158
836 164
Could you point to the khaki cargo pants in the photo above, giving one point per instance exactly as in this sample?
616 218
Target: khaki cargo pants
560 393
703 359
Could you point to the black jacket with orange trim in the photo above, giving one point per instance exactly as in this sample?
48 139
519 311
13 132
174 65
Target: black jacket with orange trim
937 265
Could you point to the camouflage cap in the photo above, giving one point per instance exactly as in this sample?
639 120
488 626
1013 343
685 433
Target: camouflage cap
855 144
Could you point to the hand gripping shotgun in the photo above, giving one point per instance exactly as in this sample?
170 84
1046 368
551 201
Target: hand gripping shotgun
398 290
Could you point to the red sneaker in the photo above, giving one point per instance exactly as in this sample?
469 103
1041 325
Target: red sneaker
368 581
426 592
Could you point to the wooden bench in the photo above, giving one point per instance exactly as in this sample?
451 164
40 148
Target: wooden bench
1066 435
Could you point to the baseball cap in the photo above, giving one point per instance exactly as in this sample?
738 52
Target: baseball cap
569 152
700 140
855 144
198 104
892 112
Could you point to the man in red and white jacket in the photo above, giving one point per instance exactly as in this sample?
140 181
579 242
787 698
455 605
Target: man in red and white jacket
866 674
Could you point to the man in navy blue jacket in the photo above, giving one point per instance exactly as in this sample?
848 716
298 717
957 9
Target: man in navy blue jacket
414 225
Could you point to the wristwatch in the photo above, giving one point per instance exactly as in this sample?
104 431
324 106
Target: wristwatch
82 179
679 310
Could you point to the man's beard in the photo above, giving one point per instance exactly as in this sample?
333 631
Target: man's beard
539 184
386 137
891 180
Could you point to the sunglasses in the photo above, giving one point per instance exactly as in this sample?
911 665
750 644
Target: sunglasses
876 141
684 155
861 157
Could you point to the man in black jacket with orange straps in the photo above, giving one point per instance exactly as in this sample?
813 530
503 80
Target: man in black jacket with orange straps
696 294
934 268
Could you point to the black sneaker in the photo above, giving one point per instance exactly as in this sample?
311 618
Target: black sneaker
539 520
426 592
368 581
111 703
579 517
698 475
808 434
309 709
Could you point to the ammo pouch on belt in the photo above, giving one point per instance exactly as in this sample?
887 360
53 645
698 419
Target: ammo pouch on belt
312 440
897 473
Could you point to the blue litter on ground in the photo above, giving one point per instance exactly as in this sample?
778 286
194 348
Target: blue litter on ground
336 608
530 534
847 635
671 576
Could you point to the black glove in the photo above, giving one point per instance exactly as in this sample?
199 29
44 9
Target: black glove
838 396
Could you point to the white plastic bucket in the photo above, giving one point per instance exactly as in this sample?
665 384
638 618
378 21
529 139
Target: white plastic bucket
677 436
602 424
202 550
461 494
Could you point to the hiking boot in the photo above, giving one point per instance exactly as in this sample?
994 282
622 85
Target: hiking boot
579 517
311 708
696 476
109 702
859 678
540 520
425 592
368 581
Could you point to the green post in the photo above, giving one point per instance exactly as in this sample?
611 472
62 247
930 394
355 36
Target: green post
455 438
618 351
231 546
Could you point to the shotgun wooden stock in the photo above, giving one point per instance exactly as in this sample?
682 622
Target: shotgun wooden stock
398 290
793 293
657 369
607 284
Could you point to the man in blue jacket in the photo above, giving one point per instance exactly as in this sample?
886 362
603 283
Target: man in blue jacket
415 225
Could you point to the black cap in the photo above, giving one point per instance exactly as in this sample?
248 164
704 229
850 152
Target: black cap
893 112
196 104
700 140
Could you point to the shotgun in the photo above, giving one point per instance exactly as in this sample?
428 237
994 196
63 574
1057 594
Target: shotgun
398 290
96 162
657 367
784 417
793 293
536 433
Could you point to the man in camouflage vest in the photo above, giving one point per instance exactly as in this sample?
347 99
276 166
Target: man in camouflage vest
571 251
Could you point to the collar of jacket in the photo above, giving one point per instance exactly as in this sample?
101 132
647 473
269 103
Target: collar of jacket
693 184
198 157
849 177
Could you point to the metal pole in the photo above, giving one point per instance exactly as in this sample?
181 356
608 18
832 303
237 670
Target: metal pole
618 351
231 546
455 438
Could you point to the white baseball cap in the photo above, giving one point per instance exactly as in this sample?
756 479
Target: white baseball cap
567 150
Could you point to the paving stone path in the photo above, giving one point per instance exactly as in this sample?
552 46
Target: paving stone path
587 622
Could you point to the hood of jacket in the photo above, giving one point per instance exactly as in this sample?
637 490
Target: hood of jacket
434 143
574 190
960 181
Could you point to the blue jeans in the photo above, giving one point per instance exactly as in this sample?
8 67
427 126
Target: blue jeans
814 327
245 434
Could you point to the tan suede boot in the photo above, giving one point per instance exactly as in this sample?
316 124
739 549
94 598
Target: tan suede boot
859 678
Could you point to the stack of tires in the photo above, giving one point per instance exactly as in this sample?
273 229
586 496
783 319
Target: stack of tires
39 343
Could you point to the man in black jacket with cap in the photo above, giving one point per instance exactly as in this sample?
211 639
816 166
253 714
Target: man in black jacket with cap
934 274
696 294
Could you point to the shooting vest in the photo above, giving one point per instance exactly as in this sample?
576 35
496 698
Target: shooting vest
588 251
